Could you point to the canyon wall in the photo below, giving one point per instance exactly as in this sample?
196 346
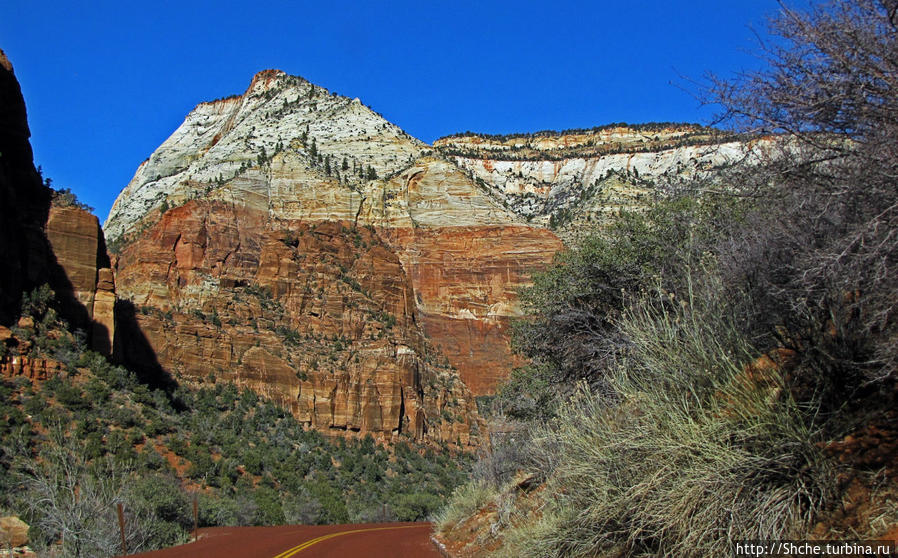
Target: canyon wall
24 201
574 181
319 317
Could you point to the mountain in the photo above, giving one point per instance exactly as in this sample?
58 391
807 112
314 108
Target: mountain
284 265
293 241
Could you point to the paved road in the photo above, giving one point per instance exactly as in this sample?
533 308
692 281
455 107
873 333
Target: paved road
373 540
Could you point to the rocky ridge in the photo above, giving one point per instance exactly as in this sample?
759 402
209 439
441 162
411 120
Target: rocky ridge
309 135
570 180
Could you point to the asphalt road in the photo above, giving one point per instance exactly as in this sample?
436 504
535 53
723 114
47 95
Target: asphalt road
373 540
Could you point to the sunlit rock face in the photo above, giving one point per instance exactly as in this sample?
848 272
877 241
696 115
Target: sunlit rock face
232 200
318 316
82 267
279 147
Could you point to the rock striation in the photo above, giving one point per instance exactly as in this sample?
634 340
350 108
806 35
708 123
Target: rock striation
83 271
319 317
568 181
283 137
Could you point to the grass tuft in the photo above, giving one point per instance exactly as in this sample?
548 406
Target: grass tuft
466 500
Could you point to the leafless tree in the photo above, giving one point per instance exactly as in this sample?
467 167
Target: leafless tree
74 502
821 258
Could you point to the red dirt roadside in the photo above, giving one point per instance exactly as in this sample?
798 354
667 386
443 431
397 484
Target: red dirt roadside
374 540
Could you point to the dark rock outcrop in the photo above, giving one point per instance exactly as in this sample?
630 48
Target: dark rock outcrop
24 202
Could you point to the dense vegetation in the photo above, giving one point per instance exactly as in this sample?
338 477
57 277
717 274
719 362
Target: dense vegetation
702 370
77 444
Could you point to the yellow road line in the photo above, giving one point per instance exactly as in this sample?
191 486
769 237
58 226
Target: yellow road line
299 548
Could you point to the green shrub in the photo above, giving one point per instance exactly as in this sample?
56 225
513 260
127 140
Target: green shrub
269 507
216 510
416 506
72 397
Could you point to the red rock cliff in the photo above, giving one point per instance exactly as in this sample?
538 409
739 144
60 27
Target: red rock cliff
77 243
319 317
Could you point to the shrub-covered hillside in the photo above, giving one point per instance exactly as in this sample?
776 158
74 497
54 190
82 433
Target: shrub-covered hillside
723 365
92 436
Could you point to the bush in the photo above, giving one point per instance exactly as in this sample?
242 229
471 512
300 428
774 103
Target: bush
696 455
572 334
300 508
72 397
416 506
72 499
673 447
825 256
64 197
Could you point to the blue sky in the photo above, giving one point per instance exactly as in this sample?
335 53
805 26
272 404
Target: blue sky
106 82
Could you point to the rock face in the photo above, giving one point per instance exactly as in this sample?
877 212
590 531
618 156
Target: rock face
569 181
466 281
319 317
84 270
13 531
283 137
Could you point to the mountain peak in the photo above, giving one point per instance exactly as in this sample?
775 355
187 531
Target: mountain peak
264 80
306 133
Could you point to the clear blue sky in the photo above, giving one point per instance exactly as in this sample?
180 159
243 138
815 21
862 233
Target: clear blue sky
107 82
